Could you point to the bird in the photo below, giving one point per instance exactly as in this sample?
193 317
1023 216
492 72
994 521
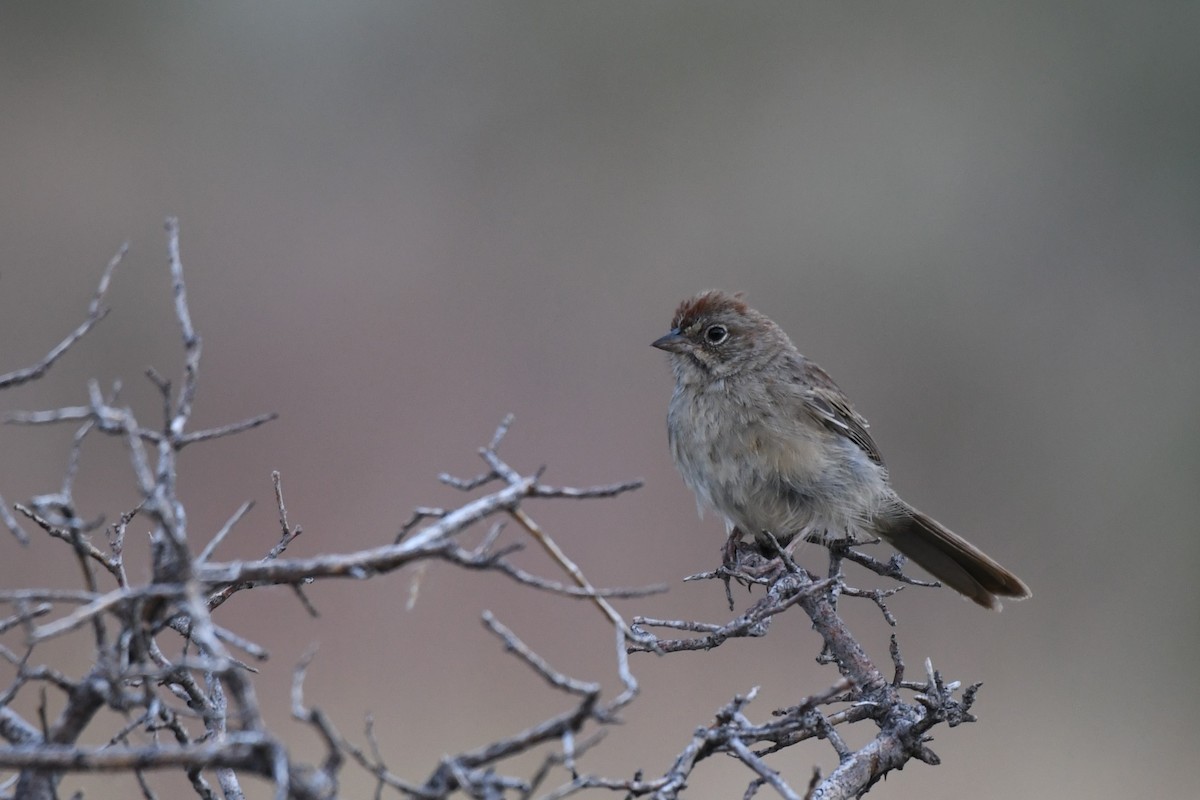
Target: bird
763 436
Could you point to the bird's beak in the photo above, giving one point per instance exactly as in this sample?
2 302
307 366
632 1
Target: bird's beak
673 342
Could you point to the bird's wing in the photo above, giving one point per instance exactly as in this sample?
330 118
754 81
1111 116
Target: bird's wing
829 405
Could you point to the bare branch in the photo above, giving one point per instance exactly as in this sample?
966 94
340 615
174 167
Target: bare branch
164 669
10 522
96 312
220 535
191 341
226 430
539 665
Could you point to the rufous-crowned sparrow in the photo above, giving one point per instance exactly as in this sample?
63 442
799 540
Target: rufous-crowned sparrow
766 438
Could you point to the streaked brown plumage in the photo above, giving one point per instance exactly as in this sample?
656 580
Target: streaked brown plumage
765 437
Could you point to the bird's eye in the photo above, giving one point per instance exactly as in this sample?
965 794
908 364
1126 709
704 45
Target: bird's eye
715 334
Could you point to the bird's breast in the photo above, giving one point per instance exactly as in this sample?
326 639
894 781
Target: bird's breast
765 471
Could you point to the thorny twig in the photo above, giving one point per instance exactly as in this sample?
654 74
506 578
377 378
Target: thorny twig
197 711
862 693
187 586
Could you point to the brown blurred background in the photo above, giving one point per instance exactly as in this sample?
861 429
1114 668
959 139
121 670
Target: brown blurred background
403 220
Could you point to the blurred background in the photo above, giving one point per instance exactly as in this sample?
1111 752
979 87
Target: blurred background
402 221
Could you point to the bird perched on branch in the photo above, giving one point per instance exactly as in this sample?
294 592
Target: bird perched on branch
763 436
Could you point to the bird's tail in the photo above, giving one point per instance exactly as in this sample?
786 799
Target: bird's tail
948 557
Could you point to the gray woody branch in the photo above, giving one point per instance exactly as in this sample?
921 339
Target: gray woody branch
205 684
863 693
164 664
